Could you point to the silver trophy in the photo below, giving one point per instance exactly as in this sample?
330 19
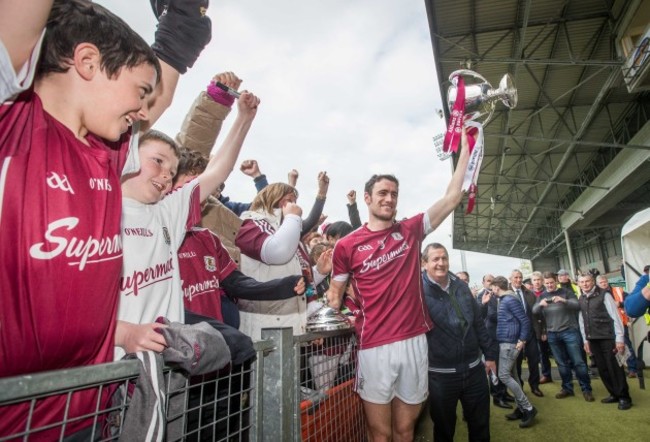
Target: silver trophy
480 97
327 319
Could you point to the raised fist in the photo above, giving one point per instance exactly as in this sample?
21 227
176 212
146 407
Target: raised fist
250 168
291 209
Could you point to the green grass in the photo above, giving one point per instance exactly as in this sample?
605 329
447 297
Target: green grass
570 419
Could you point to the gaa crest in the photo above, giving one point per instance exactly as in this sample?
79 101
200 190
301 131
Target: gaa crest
210 263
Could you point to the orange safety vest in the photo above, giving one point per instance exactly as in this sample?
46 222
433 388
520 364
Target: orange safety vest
617 293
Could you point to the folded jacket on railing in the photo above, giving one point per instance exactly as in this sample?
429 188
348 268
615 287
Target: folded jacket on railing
196 349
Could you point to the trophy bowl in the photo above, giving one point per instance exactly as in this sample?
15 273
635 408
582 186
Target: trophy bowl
327 319
480 97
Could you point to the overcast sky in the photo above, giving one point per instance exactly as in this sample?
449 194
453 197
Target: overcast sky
348 87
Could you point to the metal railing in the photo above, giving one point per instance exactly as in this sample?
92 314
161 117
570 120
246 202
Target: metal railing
298 388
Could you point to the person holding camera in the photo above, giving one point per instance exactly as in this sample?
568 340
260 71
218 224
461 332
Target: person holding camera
559 307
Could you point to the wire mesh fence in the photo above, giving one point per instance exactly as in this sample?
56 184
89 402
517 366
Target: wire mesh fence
310 376
329 408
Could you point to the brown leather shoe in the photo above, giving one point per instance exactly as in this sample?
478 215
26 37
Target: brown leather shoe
564 394
537 392
545 380
588 396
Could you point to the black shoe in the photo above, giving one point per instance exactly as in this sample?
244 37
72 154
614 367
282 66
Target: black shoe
516 415
609 400
527 420
508 397
501 404
537 392
624 404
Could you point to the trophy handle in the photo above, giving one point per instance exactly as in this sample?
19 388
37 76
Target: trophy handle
509 91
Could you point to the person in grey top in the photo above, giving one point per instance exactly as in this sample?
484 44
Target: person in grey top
559 307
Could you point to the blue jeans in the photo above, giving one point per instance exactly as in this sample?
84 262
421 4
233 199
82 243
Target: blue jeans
567 349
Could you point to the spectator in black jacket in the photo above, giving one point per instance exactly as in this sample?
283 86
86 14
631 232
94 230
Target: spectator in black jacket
456 344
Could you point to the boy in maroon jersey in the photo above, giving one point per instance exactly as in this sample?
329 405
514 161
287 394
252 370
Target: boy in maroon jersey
382 259
63 146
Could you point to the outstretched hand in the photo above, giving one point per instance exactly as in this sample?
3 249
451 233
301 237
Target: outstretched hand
324 263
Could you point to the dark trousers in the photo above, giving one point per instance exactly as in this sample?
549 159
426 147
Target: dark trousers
545 358
531 352
498 390
471 389
612 374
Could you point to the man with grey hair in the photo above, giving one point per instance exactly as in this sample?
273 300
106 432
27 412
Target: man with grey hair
602 331
456 372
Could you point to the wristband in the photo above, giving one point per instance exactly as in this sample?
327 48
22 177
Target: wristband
219 95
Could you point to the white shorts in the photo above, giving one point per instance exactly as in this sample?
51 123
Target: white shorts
393 370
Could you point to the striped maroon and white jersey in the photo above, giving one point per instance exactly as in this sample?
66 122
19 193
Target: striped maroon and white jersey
384 270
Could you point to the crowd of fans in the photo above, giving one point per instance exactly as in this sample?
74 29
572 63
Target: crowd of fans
108 226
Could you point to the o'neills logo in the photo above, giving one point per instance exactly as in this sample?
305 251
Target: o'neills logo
137 231
140 279
383 259
87 250
201 288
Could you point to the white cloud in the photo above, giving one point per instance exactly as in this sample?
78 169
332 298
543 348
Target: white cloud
346 86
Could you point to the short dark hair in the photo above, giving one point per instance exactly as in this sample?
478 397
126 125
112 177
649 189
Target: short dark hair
156 135
463 272
72 22
549 275
646 269
339 229
501 282
191 162
375 179
435 246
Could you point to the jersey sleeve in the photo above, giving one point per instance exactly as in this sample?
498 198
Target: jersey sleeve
183 207
340 262
251 237
418 225
225 263
13 83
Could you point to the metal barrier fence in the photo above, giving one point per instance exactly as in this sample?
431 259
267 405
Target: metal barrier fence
298 388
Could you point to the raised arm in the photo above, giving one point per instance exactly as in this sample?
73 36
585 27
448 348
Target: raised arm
353 210
183 31
223 162
205 118
453 196
317 209
21 25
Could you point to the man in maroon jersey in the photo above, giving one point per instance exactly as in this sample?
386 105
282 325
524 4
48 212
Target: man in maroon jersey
382 259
